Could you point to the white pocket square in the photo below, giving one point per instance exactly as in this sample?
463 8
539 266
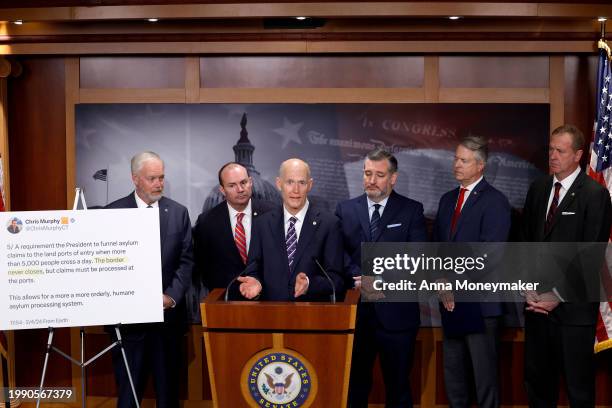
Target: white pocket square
568 213
394 225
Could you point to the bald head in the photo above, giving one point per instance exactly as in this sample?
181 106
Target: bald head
296 164
294 183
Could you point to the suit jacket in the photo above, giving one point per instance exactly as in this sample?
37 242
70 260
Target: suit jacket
217 258
176 253
587 218
485 217
406 217
319 238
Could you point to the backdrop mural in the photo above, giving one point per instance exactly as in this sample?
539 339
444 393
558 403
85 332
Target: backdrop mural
195 140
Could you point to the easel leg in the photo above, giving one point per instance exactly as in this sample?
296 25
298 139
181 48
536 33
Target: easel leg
127 366
44 372
83 374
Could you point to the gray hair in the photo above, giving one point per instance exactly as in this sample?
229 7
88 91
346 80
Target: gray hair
379 154
139 159
478 145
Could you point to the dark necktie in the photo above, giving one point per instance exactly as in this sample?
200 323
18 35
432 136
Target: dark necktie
149 206
375 223
240 237
291 241
458 209
553 208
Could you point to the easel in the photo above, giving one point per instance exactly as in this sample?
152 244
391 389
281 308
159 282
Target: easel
82 363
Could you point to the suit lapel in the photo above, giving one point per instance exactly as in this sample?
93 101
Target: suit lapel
389 212
277 231
474 196
309 228
568 198
163 219
227 235
364 216
446 214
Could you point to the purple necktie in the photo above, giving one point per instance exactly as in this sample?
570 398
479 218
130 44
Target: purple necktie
291 241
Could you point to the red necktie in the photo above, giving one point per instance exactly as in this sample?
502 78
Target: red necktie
458 209
240 238
553 207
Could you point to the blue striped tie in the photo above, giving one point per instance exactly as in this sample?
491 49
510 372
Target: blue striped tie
375 223
291 241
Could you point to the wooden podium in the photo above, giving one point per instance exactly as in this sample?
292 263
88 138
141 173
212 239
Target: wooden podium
278 354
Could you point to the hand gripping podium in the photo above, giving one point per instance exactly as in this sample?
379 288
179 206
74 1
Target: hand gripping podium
278 354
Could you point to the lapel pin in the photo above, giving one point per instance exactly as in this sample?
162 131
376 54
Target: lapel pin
254 214
572 194
165 209
314 223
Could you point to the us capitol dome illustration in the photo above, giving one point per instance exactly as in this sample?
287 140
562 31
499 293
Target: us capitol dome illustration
243 151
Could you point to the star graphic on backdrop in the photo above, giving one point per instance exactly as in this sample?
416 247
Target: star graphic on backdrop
289 132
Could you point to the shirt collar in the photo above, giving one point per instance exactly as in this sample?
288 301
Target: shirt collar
471 187
301 215
382 202
233 212
567 182
141 204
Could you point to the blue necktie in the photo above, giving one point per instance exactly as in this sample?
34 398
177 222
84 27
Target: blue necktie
291 241
375 223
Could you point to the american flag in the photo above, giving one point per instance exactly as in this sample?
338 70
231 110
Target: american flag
101 174
599 169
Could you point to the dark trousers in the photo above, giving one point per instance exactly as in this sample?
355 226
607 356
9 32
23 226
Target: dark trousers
553 349
396 352
472 356
154 350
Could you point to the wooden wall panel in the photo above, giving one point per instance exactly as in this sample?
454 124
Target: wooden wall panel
497 71
132 72
37 128
580 93
312 72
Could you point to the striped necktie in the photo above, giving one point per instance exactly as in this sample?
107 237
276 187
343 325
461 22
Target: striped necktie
291 241
375 223
240 237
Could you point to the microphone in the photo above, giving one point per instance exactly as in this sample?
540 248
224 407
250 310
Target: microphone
249 268
331 282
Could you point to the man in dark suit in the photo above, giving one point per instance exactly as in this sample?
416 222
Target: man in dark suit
222 236
289 241
473 212
154 348
387 329
567 206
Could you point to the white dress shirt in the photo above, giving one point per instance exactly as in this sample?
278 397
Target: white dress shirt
382 203
566 183
300 219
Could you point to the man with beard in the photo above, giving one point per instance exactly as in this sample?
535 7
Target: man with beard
154 348
222 236
386 329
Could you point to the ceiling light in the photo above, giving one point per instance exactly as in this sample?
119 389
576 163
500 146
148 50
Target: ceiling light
301 18
602 19
152 20
454 18
18 22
